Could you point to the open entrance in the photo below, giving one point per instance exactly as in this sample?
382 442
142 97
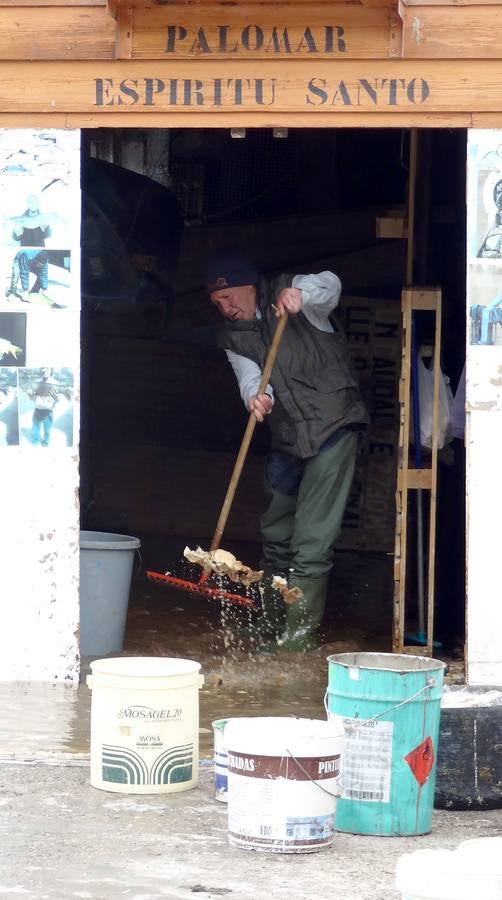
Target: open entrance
162 416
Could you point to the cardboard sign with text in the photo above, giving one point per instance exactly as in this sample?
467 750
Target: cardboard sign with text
373 329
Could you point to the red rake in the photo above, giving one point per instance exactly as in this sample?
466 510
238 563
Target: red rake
201 586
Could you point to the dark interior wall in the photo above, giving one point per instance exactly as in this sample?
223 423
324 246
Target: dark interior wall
162 415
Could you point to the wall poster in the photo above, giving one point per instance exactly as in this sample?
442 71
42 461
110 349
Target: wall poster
484 237
39 286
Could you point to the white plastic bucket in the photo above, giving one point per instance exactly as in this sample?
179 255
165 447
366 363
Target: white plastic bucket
106 562
144 724
220 759
473 869
283 780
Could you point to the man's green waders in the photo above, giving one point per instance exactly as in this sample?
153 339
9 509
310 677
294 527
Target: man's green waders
299 533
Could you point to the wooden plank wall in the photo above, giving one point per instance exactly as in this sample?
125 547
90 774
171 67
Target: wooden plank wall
452 32
79 32
88 31
217 64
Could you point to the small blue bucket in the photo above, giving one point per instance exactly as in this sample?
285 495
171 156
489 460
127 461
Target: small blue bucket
220 761
390 705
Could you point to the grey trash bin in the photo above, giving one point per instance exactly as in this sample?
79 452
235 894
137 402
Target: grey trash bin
106 562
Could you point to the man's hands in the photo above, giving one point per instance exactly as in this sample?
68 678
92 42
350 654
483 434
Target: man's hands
289 300
260 405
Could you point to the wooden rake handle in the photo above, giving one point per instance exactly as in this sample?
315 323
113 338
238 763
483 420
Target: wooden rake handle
248 434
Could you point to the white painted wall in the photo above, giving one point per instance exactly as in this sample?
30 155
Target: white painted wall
484 422
39 519
484 516
39 606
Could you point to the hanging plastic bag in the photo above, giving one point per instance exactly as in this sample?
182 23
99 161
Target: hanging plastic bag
426 406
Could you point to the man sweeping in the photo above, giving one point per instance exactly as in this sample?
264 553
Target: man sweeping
315 412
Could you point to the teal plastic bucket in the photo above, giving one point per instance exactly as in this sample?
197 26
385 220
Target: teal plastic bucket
390 705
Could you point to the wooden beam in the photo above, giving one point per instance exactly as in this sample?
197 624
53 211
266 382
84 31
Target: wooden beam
450 3
123 48
391 227
225 119
416 479
12 4
73 32
395 33
412 178
452 32
408 478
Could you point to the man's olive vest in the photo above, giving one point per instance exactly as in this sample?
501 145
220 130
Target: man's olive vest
315 389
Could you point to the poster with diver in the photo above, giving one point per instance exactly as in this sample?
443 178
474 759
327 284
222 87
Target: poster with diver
484 237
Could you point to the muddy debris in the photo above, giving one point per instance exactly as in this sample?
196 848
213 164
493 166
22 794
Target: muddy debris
290 595
222 562
213 679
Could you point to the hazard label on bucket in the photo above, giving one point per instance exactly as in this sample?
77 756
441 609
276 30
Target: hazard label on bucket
421 760
366 760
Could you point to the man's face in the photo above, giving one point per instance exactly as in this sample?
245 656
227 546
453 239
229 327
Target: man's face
236 302
45 373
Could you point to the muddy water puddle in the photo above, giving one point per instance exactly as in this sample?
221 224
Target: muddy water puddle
267 691
44 722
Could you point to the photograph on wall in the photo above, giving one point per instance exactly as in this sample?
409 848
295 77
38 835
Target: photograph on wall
38 213
51 335
485 304
9 415
484 236
12 339
48 153
46 406
39 277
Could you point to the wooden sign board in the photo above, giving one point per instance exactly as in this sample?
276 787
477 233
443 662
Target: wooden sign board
306 87
255 31
243 32
198 32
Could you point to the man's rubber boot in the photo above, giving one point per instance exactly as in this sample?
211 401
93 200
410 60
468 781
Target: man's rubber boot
271 622
303 618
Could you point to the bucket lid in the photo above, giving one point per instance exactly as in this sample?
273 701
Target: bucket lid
104 540
280 735
390 662
144 666
473 869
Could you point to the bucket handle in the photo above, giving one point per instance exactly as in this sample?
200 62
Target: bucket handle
336 795
431 682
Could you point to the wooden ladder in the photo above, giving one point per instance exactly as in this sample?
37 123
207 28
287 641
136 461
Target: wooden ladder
409 478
